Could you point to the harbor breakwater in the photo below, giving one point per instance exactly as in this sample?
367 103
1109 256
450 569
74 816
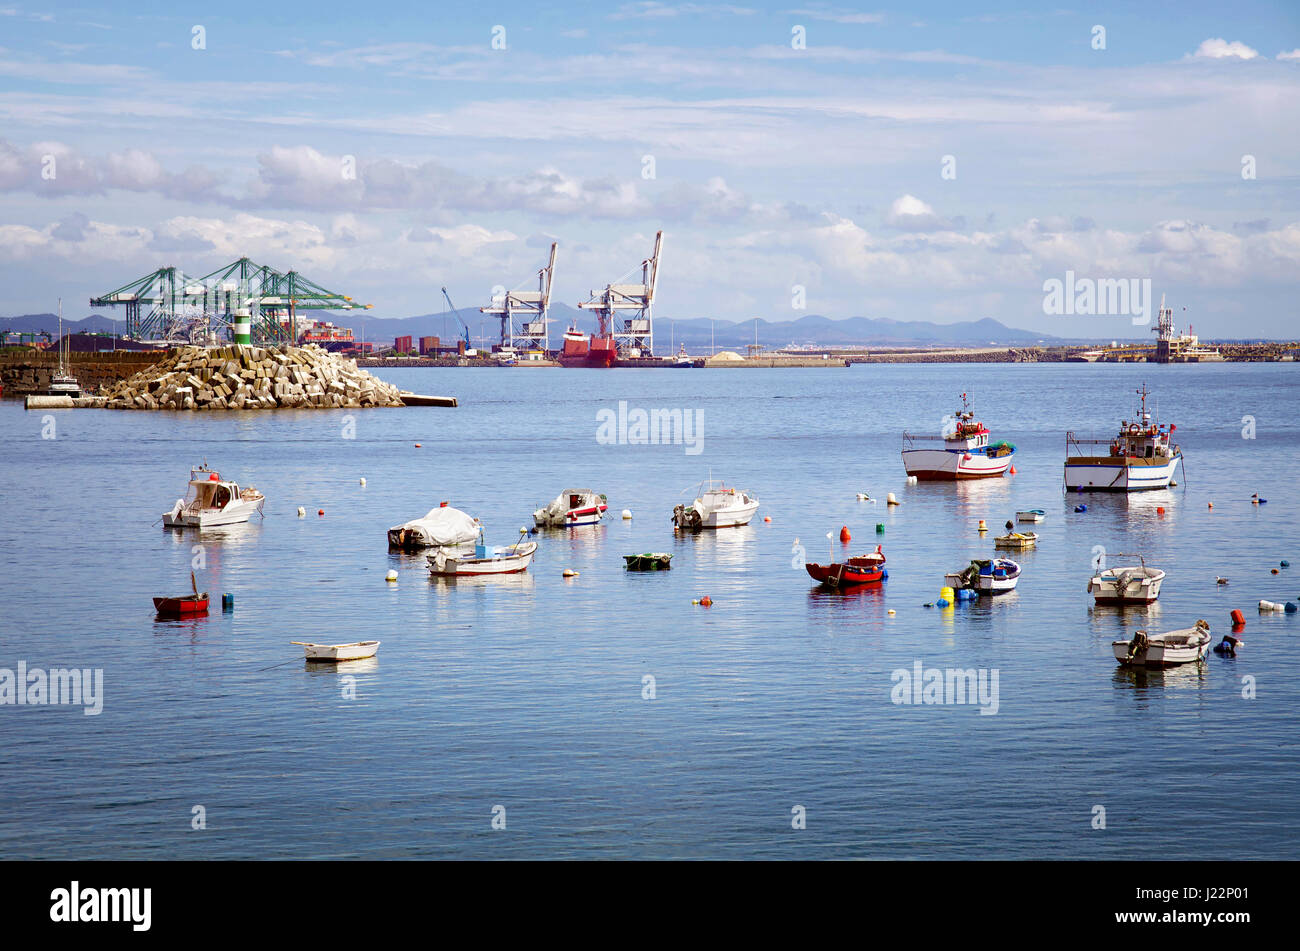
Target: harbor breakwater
30 371
247 377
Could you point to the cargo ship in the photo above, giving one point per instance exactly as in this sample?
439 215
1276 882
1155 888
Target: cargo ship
580 350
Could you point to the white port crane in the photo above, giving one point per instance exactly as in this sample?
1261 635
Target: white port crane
531 307
636 337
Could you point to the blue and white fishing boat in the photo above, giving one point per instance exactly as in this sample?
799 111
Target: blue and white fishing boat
1142 456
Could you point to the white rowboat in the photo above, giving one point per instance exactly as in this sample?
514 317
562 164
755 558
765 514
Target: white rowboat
1164 650
333 653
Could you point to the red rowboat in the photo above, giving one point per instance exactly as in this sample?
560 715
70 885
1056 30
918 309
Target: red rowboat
185 606
860 569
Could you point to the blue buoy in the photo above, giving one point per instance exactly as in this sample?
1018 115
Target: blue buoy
1081 508
1285 563
227 602
884 574
1291 607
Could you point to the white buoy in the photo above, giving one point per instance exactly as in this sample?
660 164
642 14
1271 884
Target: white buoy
391 576
890 500
570 573
911 480
302 512
627 514
363 480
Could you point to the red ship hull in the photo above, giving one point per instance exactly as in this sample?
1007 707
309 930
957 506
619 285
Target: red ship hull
598 352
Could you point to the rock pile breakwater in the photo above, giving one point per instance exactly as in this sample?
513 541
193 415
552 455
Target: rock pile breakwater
241 376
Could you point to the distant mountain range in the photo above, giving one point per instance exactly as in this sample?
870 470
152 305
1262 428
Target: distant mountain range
697 333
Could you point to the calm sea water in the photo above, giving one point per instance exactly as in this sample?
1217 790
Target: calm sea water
526 693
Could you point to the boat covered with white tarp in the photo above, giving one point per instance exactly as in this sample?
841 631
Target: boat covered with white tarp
443 527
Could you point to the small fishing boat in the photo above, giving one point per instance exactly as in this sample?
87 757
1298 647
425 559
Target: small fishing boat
965 454
1142 456
1031 515
683 360
1134 584
1016 541
443 527
507 560
989 576
715 506
212 502
1164 650
570 508
187 605
62 382
649 561
856 570
333 653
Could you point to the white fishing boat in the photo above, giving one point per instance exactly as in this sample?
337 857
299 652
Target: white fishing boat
990 576
1164 650
570 508
716 506
212 501
1133 584
443 527
1141 457
508 560
333 653
1031 515
965 452
683 360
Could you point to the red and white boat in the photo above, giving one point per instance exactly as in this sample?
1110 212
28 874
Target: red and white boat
572 507
857 570
965 452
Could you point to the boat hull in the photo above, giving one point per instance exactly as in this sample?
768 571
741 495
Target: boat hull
451 566
839 575
950 465
1160 656
235 513
1110 588
1118 474
336 653
180 607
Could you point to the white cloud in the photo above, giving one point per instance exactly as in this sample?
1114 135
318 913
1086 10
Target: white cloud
1221 49
1292 57
838 16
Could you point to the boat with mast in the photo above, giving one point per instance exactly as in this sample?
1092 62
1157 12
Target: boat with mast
1142 456
63 383
965 454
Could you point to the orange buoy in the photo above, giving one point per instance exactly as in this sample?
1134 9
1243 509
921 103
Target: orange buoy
706 601
1238 617
1012 470
320 511
1160 510
1211 505
417 445
844 534
767 518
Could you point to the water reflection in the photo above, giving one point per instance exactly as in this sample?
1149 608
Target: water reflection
728 547
1185 676
366 665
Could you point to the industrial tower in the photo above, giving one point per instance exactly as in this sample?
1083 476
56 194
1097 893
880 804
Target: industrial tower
531 307
636 337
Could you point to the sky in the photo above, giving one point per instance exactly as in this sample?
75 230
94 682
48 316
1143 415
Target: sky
908 161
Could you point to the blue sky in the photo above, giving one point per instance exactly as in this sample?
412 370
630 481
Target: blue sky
774 167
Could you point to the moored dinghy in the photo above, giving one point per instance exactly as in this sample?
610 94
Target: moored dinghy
187 605
334 653
507 560
1031 515
989 576
857 570
649 561
1014 540
1135 584
1164 650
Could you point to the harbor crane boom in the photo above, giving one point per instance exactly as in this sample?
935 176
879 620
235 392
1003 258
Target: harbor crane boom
468 345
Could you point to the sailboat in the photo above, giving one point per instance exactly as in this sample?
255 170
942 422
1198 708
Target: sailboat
63 383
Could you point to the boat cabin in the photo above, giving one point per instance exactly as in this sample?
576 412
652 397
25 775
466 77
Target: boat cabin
969 431
207 491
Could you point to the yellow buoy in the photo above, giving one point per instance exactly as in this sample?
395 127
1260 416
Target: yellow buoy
983 527
891 612
947 594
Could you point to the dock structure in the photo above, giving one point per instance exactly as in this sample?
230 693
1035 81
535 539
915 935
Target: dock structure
635 304
531 308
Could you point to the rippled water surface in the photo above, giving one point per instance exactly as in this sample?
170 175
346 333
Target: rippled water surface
526 692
